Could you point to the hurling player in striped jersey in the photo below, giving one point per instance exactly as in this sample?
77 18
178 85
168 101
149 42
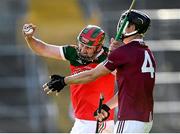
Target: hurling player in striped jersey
86 55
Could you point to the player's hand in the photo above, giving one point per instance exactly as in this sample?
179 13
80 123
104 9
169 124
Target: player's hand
114 44
56 84
28 30
104 113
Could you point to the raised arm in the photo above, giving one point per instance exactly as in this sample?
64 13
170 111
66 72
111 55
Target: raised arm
38 46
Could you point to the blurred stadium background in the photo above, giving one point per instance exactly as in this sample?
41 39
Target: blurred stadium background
23 105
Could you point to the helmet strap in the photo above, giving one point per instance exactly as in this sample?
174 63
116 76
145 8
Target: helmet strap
99 51
130 34
126 35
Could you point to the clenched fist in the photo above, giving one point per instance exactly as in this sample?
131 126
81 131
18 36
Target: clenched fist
104 113
28 30
114 44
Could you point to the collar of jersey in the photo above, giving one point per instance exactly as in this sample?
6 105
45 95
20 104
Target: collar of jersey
141 41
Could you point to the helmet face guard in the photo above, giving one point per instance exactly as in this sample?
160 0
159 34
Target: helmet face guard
139 19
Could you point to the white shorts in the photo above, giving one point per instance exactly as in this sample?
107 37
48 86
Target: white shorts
87 126
132 126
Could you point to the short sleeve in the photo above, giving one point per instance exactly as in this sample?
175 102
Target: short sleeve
110 63
61 51
68 52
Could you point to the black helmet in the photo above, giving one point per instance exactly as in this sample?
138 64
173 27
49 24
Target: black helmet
138 18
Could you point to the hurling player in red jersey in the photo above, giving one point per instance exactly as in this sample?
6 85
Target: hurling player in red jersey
135 66
86 55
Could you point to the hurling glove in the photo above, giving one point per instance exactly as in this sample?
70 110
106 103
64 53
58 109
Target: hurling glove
106 109
56 83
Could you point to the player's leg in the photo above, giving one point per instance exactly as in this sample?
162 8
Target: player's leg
86 126
129 126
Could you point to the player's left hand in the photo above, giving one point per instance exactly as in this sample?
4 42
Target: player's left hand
114 45
104 114
56 84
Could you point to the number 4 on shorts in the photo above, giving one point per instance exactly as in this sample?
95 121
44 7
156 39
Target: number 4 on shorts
145 68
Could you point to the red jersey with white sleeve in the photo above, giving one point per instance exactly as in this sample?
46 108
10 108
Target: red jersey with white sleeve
135 65
85 97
